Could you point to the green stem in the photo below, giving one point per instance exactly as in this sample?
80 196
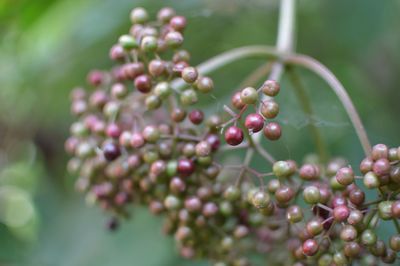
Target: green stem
307 108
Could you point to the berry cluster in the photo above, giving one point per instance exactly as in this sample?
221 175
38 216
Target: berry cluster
255 122
140 140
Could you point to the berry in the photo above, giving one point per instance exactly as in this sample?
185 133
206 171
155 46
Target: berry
189 74
272 131
310 247
111 151
311 195
254 122
269 109
143 83
260 199
196 116
234 136
237 101
341 213
294 214
271 88
249 95
127 42
282 169
139 15
185 167
204 84
345 176
178 23
309 172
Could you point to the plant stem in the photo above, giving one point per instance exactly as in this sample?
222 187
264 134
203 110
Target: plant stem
306 105
284 45
322 71
225 58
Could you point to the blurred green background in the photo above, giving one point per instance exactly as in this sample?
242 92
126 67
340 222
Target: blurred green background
48 46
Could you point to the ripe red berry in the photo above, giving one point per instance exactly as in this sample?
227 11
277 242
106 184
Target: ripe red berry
143 83
111 151
185 167
272 131
196 116
310 247
254 122
341 213
234 136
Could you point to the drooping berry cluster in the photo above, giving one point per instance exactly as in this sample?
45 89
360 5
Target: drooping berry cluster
140 140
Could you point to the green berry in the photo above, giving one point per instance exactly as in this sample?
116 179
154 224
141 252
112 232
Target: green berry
311 195
249 95
128 42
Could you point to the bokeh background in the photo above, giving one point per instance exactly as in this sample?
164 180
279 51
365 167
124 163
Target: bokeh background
48 46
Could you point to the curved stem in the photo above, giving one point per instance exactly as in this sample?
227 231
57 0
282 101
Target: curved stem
322 71
223 59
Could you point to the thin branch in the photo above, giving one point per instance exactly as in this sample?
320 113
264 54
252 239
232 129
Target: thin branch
225 58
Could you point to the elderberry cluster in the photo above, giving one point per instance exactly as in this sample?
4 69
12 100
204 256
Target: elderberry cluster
139 140
255 122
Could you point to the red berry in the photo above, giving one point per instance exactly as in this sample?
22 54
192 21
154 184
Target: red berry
234 136
310 247
111 151
196 116
341 213
143 83
185 167
213 140
254 122
272 131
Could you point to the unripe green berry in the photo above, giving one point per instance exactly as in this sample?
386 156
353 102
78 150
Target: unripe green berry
394 243
368 237
282 169
249 95
370 180
232 193
188 97
311 195
204 84
172 168
294 214
162 90
172 203
139 15
128 42
153 102
385 210
149 44
260 199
